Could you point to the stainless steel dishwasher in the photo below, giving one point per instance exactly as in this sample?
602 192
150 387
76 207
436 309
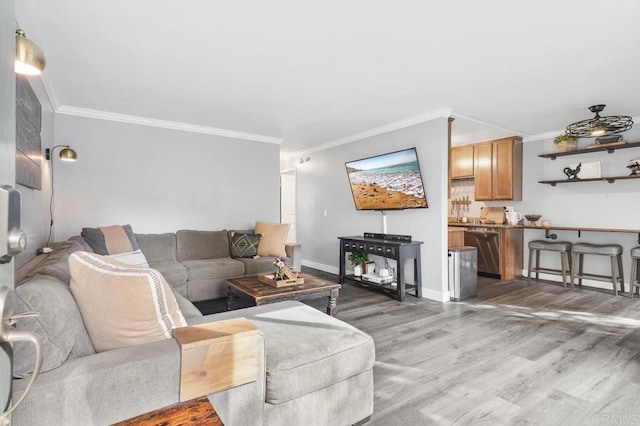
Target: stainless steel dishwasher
487 241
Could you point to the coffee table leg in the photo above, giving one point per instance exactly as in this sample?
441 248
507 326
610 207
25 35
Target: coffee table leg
229 299
332 308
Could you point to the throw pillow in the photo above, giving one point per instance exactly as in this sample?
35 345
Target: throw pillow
245 245
134 258
110 239
273 238
59 325
122 305
56 263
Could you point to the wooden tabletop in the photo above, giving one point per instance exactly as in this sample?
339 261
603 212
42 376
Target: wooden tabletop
260 291
582 228
197 412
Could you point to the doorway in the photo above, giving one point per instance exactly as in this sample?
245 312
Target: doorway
288 203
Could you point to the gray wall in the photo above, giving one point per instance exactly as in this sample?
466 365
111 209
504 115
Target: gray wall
322 185
35 203
587 204
161 180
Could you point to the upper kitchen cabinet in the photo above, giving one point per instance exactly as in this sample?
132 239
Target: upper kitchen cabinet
498 169
462 162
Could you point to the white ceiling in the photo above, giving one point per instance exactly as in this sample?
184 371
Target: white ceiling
313 72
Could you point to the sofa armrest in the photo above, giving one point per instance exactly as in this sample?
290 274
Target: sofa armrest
103 388
294 252
116 385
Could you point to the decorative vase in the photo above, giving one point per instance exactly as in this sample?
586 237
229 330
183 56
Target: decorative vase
357 270
278 275
565 146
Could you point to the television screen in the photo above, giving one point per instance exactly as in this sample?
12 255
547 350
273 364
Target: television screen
387 182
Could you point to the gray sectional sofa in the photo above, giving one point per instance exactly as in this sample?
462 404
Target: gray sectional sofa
197 263
314 369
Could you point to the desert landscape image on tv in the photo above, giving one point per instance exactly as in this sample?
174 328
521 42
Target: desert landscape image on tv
387 182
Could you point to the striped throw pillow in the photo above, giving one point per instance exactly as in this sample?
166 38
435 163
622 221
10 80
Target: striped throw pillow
122 305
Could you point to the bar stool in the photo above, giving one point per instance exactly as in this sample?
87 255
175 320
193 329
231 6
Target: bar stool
634 282
614 251
562 247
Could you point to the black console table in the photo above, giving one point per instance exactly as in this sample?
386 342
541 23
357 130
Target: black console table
390 249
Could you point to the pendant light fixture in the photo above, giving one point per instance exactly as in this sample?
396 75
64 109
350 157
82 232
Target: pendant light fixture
29 57
599 126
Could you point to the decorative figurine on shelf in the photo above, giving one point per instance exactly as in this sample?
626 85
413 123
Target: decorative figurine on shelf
572 173
279 263
634 167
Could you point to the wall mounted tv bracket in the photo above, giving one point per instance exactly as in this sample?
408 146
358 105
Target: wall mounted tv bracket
8 334
12 239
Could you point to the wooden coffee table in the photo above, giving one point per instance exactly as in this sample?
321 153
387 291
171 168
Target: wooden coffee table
261 293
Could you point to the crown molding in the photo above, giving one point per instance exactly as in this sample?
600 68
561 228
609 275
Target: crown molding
484 123
396 125
173 125
542 136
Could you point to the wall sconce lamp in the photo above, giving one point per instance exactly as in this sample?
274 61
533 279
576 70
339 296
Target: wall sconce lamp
304 160
66 154
29 58
599 126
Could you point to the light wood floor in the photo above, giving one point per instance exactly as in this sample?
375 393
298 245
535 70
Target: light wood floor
515 355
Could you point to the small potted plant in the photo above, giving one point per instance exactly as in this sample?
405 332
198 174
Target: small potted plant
357 259
565 143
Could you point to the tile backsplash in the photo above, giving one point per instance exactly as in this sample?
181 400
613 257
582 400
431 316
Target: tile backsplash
462 189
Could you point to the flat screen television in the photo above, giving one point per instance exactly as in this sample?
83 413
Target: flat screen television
387 182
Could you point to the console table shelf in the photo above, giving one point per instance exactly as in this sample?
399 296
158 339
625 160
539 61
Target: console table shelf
609 179
610 149
400 251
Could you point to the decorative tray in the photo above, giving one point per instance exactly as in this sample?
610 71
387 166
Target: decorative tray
268 279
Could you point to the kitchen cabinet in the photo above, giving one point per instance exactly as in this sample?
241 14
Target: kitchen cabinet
500 249
498 170
456 237
462 162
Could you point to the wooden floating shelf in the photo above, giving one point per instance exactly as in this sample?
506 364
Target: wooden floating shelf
610 149
609 179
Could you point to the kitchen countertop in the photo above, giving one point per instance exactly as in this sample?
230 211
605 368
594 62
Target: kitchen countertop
486 225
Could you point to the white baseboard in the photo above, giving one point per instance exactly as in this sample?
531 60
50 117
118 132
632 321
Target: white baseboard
323 267
438 296
427 293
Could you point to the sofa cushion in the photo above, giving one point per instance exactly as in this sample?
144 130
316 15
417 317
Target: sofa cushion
110 239
187 308
173 272
122 305
244 245
158 247
259 265
296 364
273 238
56 264
59 325
213 268
306 350
197 245
134 258
82 242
